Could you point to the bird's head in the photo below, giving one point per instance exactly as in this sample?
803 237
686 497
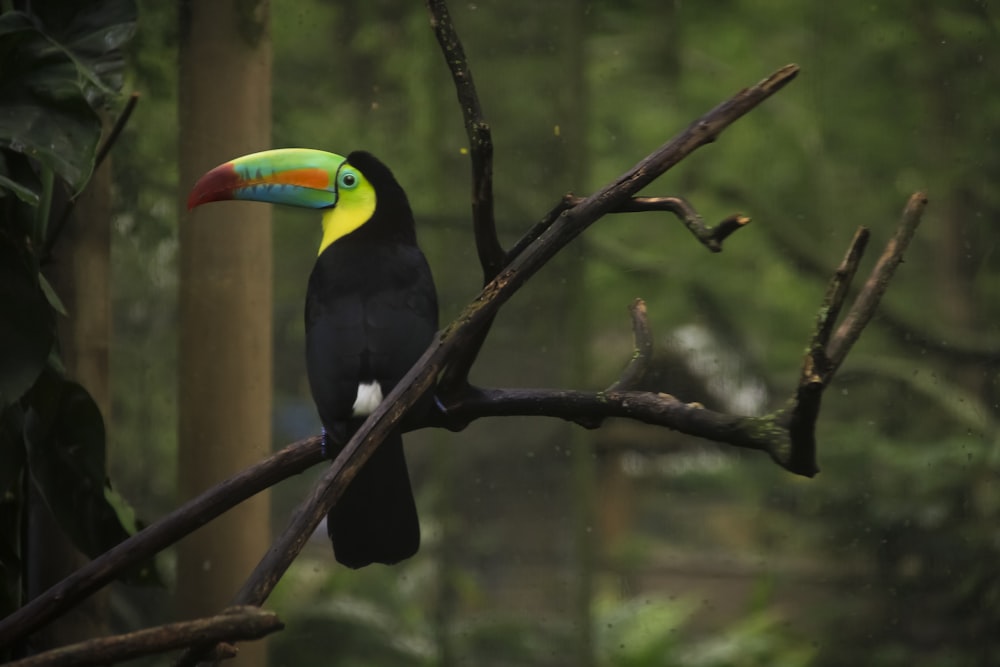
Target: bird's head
358 194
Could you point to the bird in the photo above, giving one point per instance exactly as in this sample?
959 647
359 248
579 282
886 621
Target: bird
370 312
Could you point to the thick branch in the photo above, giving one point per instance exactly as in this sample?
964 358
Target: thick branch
291 460
240 623
589 409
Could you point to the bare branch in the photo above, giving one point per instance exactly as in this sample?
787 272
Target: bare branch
116 130
710 237
816 366
235 623
589 409
642 354
491 255
867 301
291 460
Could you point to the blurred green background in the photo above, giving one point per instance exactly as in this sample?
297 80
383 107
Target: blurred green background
631 545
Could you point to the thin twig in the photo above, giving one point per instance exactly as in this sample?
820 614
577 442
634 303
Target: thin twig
866 303
491 254
816 366
710 237
800 416
642 353
116 129
235 623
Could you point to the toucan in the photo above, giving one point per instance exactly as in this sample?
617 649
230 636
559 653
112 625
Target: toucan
371 311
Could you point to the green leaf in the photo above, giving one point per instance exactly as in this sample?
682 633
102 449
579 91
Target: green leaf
27 323
27 195
51 296
44 112
69 63
64 435
92 34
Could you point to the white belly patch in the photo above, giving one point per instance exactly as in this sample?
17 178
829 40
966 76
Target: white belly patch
368 398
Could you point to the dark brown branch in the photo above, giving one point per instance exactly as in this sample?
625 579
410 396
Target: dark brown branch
816 367
238 623
800 416
867 302
928 335
291 460
589 409
491 255
116 130
710 237
642 354
827 351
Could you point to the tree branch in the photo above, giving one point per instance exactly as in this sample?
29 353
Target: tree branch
235 623
491 255
866 303
710 237
195 513
642 355
826 351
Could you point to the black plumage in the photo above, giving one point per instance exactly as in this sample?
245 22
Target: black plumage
371 311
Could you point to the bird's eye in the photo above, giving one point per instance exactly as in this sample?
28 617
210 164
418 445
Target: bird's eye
348 180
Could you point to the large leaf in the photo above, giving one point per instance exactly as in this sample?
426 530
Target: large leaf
44 111
93 35
64 434
57 66
27 323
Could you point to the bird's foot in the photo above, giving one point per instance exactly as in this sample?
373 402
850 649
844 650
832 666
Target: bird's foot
324 446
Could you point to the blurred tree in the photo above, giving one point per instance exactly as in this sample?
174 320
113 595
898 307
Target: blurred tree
225 298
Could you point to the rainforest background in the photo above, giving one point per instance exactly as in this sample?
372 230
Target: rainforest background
630 545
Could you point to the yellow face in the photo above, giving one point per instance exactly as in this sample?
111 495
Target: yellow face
355 205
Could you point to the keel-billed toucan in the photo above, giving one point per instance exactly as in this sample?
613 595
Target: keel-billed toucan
371 311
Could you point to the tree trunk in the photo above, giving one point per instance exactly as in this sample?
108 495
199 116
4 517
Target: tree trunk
225 298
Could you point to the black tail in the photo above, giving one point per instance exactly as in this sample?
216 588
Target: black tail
375 521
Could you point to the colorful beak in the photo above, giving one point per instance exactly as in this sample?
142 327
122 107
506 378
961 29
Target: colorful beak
293 176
